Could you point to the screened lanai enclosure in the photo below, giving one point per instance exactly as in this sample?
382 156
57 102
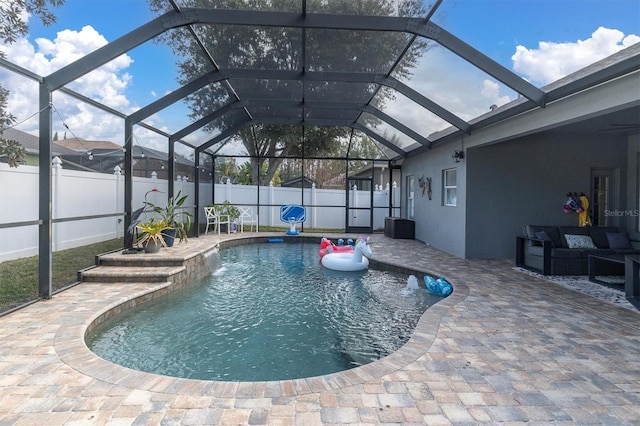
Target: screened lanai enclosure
307 102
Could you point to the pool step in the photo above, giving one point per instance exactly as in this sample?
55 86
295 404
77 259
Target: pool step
129 274
117 259
177 264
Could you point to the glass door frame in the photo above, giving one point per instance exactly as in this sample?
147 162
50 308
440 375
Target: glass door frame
351 209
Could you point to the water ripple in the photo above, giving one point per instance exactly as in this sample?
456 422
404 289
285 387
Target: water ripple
270 313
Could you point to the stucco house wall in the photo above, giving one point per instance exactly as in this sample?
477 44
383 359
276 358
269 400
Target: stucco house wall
526 181
502 187
435 223
632 218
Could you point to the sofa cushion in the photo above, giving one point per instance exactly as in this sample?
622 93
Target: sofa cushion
551 231
618 240
579 241
566 253
571 230
598 252
626 251
542 235
599 235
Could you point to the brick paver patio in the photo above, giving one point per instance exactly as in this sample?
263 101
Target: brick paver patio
503 348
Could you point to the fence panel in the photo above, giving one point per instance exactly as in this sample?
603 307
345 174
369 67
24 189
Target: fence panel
77 194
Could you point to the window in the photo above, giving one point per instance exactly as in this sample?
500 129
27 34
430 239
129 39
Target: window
450 187
410 197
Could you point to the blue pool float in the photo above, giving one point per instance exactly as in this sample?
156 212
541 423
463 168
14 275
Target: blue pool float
440 287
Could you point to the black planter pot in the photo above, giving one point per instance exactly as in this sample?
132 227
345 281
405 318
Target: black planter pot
169 236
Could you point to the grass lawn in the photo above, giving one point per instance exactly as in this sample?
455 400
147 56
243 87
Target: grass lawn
19 278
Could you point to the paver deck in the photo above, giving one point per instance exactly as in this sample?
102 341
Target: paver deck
505 347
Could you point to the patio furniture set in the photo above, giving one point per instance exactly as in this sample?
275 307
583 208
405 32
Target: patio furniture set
216 218
574 250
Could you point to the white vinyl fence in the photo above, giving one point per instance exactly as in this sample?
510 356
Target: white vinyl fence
77 194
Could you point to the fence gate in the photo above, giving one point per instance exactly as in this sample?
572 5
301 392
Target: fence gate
359 205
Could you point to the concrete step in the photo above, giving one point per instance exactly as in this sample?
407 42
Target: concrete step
129 274
138 259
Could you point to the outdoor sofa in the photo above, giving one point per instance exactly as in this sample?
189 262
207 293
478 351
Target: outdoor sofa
565 250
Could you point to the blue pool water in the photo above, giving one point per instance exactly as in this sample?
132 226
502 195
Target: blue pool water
268 312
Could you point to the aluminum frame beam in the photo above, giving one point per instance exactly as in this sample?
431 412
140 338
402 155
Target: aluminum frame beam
297 122
306 105
189 16
306 76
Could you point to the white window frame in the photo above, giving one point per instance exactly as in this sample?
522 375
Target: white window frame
410 197
450 189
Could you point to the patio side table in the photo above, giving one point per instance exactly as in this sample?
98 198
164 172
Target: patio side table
632 279
595 259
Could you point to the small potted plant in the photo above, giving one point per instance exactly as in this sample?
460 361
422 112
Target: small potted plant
171 216
228 209
152 238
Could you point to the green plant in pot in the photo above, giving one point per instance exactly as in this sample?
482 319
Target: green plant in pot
152 238
227 209
178 221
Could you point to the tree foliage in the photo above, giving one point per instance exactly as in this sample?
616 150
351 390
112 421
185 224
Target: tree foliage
12 18
13 24
277 48
12 151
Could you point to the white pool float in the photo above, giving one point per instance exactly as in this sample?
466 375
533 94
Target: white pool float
356 261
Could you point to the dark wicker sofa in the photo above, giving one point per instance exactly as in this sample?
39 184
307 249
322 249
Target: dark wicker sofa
548 250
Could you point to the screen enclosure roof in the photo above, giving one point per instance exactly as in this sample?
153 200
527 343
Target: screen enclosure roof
309 64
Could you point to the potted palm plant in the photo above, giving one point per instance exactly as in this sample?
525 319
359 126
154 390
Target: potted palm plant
152 238
178 221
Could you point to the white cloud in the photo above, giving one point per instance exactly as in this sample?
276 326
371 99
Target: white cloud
491 91
453 84
441 76
107 85
551 61
468 93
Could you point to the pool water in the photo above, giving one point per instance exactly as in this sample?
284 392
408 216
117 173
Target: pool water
267 312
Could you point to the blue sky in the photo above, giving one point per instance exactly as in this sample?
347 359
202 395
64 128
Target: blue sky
496 27
541 40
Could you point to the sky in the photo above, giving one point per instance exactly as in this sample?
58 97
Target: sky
540 40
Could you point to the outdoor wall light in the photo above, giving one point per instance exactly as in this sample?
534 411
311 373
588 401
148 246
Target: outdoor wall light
90 154
457 155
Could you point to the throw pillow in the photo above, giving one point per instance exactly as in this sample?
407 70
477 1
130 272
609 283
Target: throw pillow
618 240
542 235
579 241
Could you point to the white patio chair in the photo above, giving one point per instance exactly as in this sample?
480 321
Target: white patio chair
215 219
246 216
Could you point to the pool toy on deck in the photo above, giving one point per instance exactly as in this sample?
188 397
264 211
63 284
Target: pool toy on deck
293 214
439 287
326 247
356 261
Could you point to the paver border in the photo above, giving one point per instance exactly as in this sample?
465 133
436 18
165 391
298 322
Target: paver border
69 344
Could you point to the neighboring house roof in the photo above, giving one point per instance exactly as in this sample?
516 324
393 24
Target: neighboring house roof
31 143
79 144
75 147
297 182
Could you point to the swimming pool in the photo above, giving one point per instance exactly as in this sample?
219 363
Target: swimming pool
268 312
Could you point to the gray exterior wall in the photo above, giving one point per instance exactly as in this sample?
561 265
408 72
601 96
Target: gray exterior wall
512 184
436 224
519 171
632 220
505 186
